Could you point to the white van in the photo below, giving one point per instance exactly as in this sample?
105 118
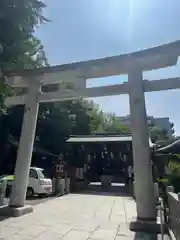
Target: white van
38 183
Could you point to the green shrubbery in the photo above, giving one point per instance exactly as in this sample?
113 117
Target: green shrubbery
174 175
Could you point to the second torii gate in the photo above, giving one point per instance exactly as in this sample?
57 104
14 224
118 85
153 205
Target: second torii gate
132 64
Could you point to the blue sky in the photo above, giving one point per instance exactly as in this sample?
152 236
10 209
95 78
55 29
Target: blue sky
87 29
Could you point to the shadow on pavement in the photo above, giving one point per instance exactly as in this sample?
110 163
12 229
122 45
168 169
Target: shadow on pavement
3 218
33 200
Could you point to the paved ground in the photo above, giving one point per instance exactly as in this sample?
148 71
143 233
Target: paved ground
75 217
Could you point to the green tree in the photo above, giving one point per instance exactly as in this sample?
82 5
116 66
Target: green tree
114 125
158 134
174 174
104 122
20 49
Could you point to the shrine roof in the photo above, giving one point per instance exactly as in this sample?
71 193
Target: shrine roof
102 138
105 138
170 148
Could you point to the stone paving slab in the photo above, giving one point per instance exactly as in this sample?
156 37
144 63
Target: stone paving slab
76 217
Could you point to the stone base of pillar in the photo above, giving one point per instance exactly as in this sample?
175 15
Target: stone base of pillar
7 211
147 226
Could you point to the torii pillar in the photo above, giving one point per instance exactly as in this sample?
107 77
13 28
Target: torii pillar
144 186
16 204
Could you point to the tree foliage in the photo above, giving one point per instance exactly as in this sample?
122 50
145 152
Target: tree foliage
174 174
158 134
104 122
57 121
21 49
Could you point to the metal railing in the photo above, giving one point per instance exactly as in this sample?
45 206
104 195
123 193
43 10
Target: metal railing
173 211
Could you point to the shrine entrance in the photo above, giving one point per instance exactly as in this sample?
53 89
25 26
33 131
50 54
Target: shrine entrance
101 158
102 154
132 64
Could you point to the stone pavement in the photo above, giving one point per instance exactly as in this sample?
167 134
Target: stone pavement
74 217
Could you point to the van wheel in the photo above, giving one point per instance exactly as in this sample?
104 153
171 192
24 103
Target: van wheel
30 192
41 195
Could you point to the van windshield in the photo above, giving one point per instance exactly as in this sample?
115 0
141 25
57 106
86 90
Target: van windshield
41 174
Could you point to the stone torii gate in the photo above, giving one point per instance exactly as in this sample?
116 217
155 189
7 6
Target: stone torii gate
132 64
